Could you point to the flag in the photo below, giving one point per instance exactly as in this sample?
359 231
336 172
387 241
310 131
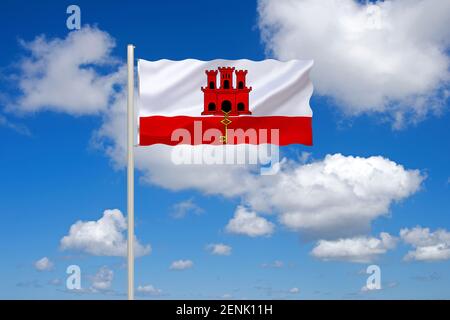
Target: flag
224 101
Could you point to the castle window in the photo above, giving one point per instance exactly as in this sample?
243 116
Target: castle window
211 106
226 84
211 85
241 106
226 106
241 85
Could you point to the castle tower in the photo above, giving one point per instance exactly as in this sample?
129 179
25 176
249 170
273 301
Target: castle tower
209 92
242 101
226 77
212 78
240 79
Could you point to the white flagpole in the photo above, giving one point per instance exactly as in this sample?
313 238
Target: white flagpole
130 174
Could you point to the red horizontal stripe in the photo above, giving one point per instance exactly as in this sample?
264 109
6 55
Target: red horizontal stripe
258 130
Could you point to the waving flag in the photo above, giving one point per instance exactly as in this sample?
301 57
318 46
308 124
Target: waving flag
230 98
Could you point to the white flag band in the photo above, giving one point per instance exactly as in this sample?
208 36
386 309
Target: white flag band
172 88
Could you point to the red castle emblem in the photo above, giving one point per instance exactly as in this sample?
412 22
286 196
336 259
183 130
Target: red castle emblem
226 99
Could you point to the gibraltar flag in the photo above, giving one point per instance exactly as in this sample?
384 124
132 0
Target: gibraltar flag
224 101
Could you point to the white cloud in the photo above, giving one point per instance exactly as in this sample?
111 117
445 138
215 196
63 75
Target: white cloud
276 264
219 249
294 290
373 57
65 75
44 264
428 246
249 223
102 280
181 209
104 237
181 265
358 249
337 196
148 290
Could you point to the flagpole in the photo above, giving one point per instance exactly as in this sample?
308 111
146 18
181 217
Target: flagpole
130 173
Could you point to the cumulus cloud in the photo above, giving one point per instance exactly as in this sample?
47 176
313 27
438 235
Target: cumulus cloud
339 195
181 209
104 237
357 249
102 280
373 57
336 196
44 264
181 265
248 223
428 246
67 75
219 249
148 290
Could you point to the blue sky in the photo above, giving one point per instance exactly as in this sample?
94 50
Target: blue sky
54 172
